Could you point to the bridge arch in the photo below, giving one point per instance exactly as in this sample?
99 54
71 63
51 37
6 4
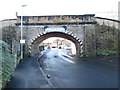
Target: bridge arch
34 47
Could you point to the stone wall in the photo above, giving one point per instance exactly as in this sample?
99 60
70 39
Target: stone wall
107 36
76 30
95 37
108 22
57 18
89 40
34 26
106 39
9 34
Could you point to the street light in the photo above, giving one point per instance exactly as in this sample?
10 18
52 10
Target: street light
21 39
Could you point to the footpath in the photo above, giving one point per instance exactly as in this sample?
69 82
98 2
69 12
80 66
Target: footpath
28 75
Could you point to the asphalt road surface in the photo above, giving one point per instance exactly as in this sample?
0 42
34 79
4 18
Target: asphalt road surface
64 71
56 69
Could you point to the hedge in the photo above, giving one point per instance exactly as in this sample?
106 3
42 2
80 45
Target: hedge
7 64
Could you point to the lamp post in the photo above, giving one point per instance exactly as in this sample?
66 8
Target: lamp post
21 38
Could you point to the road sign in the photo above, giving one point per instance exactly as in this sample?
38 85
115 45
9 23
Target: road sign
22 41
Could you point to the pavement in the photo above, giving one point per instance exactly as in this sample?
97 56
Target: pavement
28 75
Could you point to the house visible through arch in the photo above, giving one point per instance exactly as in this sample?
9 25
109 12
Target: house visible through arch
35 43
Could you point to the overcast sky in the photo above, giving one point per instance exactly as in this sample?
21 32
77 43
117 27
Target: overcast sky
102 8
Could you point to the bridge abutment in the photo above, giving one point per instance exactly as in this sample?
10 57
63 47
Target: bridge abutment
34 49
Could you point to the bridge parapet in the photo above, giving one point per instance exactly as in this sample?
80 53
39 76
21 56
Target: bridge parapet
8 22
108 22
69 19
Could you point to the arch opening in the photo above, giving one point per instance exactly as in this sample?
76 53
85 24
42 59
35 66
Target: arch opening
58 42
36 42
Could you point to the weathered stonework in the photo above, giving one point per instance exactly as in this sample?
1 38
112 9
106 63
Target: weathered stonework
107 35
57 19
94 32
34 27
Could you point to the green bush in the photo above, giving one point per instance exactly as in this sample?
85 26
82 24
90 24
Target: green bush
7 64
106 53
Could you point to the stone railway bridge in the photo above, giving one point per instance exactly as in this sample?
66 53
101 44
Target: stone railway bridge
83 30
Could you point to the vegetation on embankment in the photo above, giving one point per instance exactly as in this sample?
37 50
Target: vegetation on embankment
106 53
106 40
101 40
7 64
